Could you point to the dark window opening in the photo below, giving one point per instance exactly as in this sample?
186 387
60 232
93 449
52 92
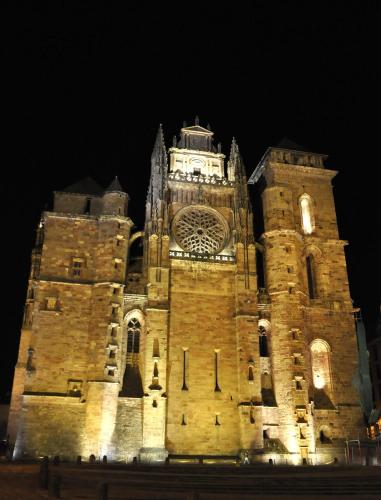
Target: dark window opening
263 347
323 437
185 363
217 387
311 277
88 206
260 270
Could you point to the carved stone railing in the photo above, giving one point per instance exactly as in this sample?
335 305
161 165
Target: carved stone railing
177 254
200 179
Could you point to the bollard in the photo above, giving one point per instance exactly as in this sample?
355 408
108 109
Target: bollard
167 461
79 460
92 459
335 461
102 493
104 459
135 461
55 486
271 461
304 461
44 473
56 460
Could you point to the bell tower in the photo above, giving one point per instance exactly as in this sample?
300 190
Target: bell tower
313 341
202 380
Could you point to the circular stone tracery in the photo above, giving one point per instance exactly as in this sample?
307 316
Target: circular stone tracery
200 230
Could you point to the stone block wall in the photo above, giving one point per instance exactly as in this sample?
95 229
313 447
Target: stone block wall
202 419
50 425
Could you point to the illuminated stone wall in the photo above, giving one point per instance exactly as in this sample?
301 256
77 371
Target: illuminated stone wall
202 384
297 318
202 323
50 425
67 382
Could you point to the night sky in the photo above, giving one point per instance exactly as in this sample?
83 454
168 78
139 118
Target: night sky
85 86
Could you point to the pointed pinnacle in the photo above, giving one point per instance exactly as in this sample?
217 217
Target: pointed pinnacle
197 120
234 150
115 185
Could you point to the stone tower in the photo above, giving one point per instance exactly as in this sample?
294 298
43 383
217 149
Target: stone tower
313 348
71 354
179 353
201 383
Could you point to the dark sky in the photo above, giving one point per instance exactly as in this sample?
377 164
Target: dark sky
85 86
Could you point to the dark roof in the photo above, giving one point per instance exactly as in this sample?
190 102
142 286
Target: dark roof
85 186
286 143
132 383
115 186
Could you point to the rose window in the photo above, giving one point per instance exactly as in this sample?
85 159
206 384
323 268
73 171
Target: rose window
200 230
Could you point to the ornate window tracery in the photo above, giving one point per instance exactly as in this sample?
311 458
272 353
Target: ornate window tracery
133 339
200 230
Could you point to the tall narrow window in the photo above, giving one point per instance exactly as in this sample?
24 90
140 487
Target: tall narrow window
321 370
263 350
185 369
311 278
307 216
133 340
260 269
88 206
251 375
217 387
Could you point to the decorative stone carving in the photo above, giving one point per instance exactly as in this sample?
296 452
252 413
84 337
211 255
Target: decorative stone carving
200 229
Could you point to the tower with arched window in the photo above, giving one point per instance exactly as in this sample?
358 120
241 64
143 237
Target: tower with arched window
313 340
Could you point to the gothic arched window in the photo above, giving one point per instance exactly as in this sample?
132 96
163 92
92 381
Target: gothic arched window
320 361
263 330
133 337
307 213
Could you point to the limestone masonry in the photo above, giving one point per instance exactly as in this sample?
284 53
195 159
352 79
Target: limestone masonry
187 351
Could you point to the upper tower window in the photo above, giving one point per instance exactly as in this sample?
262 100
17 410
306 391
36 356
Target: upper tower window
321 369
307 215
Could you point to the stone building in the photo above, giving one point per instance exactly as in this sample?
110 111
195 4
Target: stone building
181 353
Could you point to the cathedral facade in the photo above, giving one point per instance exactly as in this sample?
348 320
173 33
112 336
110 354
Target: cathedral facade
180 353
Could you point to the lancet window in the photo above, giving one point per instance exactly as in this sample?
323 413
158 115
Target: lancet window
307 214
133 339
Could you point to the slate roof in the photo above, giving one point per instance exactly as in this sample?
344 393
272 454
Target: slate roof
85 186
286 143
115 186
